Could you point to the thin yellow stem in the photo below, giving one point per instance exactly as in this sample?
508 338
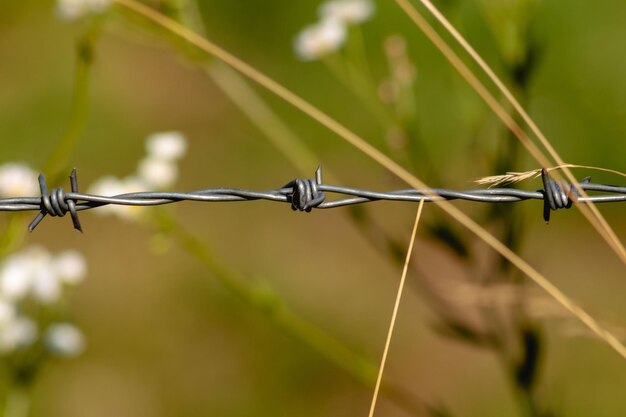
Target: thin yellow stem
17 402
595 217
392 324
379 157
612 171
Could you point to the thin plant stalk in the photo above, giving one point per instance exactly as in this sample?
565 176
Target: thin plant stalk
348 75
394 315
56 164
17 402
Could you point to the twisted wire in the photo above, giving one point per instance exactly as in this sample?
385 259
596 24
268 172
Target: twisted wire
305 195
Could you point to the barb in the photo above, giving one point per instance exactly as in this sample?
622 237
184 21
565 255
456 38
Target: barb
57 203
305 195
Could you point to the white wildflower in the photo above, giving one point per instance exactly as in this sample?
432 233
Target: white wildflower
167 146
7 312
64 339
157 173
111 186
15 278
18 333
158 170
75 9
44 282
18 180
33 275
320 39
349 12
20 271
70 267
35 272
46 286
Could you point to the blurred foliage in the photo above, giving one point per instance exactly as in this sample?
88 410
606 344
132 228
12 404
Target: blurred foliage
165 338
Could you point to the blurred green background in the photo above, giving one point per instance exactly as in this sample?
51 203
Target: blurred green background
166 339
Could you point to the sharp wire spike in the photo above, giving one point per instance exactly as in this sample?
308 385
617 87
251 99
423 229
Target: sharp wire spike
56 202
558 196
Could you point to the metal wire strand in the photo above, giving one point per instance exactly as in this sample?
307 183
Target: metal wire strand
304 195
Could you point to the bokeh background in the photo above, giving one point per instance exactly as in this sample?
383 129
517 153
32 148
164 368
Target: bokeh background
165 338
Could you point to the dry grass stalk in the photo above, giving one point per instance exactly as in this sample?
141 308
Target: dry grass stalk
394 315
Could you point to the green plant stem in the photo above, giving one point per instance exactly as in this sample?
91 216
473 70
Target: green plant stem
56 165
357 52
271 306
350 77
263 117
360 368
13 234
522 358
17 402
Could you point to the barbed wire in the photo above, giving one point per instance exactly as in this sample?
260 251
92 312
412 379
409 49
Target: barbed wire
305 195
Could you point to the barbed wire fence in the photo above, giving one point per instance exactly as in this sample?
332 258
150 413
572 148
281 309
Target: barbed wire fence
305 195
